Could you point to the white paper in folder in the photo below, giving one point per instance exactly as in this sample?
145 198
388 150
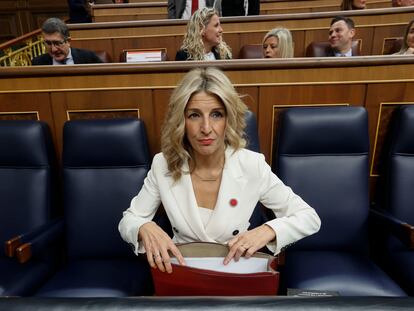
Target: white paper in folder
244 265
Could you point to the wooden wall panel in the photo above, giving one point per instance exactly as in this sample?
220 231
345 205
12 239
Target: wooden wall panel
9 26
28 106
101 103
23 16
273 99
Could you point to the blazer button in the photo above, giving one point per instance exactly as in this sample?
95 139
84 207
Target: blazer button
175 229
235 232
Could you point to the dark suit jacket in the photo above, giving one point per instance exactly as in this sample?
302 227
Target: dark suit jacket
183 55
236 7
176 7
79 57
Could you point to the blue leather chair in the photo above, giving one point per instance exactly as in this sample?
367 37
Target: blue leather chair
27 202
104 165
251 133
397 250
322 153
259 215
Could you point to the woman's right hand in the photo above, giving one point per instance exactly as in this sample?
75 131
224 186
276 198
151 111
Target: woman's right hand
157 243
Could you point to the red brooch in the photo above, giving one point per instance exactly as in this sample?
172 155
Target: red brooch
233 202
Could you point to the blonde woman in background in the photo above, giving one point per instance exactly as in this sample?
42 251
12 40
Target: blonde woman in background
278 43
204 38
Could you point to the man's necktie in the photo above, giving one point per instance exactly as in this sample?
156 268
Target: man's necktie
194 6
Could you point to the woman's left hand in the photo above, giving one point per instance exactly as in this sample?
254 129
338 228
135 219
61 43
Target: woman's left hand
249 242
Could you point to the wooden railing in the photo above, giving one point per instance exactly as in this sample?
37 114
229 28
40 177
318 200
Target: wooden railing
21 51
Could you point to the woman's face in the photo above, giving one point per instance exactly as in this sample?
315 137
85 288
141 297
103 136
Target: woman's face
359 4
410 37
271 47
212 33
205 124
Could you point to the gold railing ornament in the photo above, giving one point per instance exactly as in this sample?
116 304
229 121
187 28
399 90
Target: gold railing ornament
23 56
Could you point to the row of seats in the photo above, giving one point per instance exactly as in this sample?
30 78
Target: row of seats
322 154
252 51
104 164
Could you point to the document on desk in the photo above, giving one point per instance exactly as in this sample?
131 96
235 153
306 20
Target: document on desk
244 265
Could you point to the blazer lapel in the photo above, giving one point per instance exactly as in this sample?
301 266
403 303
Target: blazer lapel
229 203
187 204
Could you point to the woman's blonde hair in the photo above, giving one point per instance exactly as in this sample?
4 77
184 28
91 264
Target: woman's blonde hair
285 41
174 144
404 46
193 40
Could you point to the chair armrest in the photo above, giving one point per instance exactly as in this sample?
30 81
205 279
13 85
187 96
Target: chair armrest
12 244
402 230
37 241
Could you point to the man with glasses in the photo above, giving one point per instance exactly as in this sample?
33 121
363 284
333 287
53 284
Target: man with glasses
57 41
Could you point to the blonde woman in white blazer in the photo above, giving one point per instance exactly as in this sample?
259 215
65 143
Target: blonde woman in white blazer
208 183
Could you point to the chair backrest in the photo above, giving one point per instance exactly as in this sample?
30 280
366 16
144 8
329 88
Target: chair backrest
323 49
104 56
251 133
392 45
322 153
26 177
251 51
104 166
401 166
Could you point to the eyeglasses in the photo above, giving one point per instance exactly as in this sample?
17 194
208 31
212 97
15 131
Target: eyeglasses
56 43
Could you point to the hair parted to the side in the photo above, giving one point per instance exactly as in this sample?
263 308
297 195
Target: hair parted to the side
53 24
404 46
174 144
193 40
348 21
285 41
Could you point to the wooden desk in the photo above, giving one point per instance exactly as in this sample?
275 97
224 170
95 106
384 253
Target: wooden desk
129 11
57 94
373 27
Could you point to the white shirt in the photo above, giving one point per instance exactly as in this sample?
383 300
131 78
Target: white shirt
69 60
347 54
205 214
209 56
187 10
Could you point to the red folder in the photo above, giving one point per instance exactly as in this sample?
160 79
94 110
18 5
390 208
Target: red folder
189 281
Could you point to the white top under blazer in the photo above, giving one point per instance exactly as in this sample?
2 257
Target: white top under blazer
246 179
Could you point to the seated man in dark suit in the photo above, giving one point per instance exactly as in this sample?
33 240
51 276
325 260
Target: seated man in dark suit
341 33
57 40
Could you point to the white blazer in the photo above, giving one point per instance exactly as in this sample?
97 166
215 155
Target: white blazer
246 179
